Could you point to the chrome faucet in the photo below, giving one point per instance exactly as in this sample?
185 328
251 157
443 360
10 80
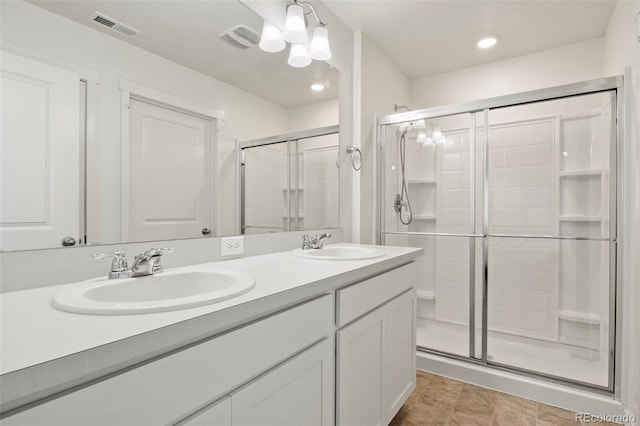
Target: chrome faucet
315 242
147 263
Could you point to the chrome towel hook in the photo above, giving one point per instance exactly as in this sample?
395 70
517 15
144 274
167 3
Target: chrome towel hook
356 157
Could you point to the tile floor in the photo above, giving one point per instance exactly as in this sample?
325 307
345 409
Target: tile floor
438 400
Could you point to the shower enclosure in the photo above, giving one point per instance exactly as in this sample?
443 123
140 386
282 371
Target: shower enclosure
289 182
514 200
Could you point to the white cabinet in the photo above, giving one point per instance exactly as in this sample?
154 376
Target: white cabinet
216 414
300 392
376 357
400 351
171 388
359 371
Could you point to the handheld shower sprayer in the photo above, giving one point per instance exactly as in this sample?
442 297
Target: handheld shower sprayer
402 202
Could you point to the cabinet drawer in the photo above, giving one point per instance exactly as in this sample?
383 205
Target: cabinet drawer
166 390
358 299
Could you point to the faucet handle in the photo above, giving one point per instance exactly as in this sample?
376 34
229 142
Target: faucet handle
306 241
119 262
158 251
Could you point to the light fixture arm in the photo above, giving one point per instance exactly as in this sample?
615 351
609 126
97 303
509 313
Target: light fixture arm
313 11
397 107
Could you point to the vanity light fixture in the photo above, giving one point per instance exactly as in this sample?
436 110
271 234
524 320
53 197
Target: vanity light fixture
295 32
317 87
271 39
487 42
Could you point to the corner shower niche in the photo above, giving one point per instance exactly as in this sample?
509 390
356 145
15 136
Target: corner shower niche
546 233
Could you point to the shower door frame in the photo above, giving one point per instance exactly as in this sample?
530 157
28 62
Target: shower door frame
610 84
287 138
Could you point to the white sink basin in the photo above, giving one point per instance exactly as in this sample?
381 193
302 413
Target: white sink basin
167 291
340 253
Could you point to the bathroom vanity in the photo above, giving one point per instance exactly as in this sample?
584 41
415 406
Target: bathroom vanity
316 342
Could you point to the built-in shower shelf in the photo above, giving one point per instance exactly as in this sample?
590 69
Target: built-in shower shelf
581 173
575 316
426 295
424 217
567 218
422 181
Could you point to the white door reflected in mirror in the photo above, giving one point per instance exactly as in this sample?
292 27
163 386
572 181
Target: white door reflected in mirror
40 155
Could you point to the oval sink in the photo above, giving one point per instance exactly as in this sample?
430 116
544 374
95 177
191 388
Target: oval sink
340 253
166 291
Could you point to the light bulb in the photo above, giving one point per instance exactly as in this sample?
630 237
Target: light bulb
422 138
404 126
319 49
298 56
437 133
295 30
317 87
487 42
271 39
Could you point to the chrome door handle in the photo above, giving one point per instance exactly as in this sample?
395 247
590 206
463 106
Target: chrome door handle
68 241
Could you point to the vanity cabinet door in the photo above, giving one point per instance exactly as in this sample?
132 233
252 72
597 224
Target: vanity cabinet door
376 367
216 414
400 362
359 370
299 392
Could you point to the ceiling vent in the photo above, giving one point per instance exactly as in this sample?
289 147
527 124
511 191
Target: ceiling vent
113 24
240 36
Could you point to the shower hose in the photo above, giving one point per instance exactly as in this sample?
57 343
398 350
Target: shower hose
403 199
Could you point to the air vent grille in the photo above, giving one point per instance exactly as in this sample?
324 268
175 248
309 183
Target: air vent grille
241 36
113 24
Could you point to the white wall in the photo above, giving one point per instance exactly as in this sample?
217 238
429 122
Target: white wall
623 50
563 65
35 29
311 116
383 84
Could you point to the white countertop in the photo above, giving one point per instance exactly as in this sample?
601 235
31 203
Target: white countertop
44 350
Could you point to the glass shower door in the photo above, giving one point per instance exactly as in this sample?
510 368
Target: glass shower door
549 237
514 202
429 203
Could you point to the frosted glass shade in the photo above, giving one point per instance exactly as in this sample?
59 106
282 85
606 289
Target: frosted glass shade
298 56
319 49
295 30
271 39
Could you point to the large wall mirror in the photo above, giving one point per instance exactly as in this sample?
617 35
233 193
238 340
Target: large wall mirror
121 120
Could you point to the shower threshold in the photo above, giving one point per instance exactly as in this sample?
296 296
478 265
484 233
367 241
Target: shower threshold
550 358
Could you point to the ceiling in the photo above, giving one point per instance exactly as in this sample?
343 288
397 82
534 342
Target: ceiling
425 37
187 32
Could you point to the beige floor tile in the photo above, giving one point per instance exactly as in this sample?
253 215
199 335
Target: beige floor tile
464 419
556 416
510 402
507 416
441 392
477 401
427 415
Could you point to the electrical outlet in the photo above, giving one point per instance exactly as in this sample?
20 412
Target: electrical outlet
232 246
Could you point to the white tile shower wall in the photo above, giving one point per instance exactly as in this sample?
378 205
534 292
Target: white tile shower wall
523 284
265 172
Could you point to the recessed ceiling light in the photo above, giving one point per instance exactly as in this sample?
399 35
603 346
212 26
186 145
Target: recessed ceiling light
317 87
487 42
